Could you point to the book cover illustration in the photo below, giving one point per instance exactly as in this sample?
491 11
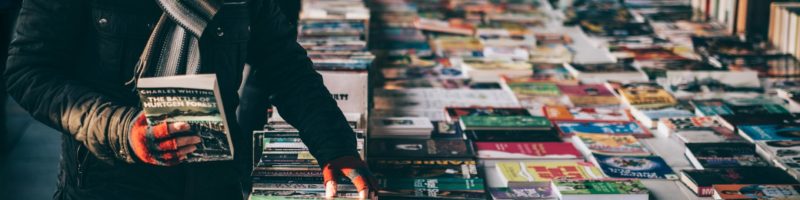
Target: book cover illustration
564 113
609 186
640 167
568 128
684 123
456 112
701 181
547 170
786 153
526 150
612 144
193 99
719 155
589 95
756 191
646 95
534 88
524 190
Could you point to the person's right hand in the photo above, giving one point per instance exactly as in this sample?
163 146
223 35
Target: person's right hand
165 144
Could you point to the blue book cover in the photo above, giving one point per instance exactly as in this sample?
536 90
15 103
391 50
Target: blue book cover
771 132
569 128
639 167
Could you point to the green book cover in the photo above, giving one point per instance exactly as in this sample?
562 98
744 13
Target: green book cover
572 187
535 88
505 122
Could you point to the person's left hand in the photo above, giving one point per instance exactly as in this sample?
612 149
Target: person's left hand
353 168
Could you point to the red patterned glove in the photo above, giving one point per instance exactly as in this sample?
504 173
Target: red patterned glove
165 144
353 168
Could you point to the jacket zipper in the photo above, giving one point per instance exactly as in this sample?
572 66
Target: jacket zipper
81 165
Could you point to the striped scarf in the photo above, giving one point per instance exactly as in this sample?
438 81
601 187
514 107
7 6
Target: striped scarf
172 48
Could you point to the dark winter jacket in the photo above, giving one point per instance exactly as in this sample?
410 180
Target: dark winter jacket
69 62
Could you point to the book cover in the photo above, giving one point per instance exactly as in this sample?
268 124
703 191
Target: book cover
646 95
589 95
708 135
756 191
786 154
431 183
424 168
639 167
534 88
454 113
775 132
524 190
721 155
693 83
564 113
546 171
549 135
420 148
712 107
701 181
193 99
526 150
569 128
611 144
684 123
504 122
595 187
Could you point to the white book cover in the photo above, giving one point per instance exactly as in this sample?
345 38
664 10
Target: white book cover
349 89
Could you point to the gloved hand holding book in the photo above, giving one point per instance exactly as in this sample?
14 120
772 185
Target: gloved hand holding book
165 144
353 168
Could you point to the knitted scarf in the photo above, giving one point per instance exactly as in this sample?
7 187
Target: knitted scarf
172 48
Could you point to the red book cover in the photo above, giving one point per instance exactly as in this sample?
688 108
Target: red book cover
527 150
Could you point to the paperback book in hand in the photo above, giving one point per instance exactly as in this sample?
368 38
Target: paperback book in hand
193 99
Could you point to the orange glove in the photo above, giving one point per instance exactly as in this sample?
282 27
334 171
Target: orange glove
164 144
353 168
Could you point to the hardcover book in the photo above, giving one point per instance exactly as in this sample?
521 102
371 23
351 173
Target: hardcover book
601 189
609 144
193 99
701 181
526 150
638 167
564 113
569 128
723 155
646 95
756 191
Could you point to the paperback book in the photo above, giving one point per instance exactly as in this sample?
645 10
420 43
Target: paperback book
609 144
756 191
570 128
420 148
638 167
526 150
723 155
538 171
701 181
602 189
564 113
524 190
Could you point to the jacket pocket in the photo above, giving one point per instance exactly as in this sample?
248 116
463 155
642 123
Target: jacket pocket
120 40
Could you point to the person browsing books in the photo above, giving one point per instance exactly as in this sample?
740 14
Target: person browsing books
76 65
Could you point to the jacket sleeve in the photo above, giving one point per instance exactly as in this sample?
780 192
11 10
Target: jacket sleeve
282 69
41 55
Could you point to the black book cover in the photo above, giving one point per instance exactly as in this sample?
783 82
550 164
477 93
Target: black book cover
424 168
514 135
747 175
722 155
761 119
420 148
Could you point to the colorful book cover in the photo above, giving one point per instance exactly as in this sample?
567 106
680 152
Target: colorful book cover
569 128
432 183
456 112
646 95
771 132
712 107
640 167
708 135
564 113
612 144
534 88
719 155
756 191
524 190
683 123
526 150
589 95
592 187
703 180
547 170
501 122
